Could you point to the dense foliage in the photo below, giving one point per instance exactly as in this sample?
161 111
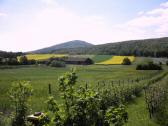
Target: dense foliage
167 63
126 61
156 96
4 54
23 60
148 47
56 63
85 107
149 66
19 94
9 58
9 61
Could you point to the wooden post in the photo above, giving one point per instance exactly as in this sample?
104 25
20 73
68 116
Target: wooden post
112 83
98 86
104 83
86 86
49 88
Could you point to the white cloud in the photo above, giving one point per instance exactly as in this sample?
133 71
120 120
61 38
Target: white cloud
53 24
3 14
153 23
164 4
48 26
141 13
49 2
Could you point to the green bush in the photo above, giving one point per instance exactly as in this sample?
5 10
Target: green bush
32 61
149 66
20 94
126 61
84 106
23 60
9 61
167 62
56 63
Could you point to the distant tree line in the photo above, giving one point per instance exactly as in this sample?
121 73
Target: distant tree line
148 47
4 54
149 66
9 58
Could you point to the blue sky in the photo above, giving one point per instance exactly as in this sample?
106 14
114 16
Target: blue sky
31 24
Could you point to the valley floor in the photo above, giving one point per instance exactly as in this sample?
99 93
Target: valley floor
41 76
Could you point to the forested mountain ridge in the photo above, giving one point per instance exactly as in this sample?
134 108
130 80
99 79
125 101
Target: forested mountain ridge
65 45
157 47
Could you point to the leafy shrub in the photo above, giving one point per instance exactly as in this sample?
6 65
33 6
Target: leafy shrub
9 61
167 62
149 66
19 94
41 61
23 60
160 63
126 61
4 120
13 61
56 63
84 107
31 62
116 115
48 62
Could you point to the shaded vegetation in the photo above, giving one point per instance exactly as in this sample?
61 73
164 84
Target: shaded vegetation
126 61
149 47
149 66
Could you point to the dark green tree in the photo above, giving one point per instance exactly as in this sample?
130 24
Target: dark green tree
167 63
23 60
126 61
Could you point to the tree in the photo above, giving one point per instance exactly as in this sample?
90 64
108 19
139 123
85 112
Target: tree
20 93
56 63
31 61
126 61
149 66
84 106
23 60
13 61
167 62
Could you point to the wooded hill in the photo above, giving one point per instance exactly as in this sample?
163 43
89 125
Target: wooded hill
65 45
148 47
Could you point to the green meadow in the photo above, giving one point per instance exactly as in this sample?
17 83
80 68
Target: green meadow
40 76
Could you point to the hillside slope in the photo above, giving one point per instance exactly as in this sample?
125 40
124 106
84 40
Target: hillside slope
157 47
65 45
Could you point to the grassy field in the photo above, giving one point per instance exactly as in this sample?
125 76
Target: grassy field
101 58
138 114
117 60
40 76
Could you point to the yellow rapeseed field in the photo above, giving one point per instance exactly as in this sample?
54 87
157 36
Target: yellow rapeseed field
117 60
43 56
